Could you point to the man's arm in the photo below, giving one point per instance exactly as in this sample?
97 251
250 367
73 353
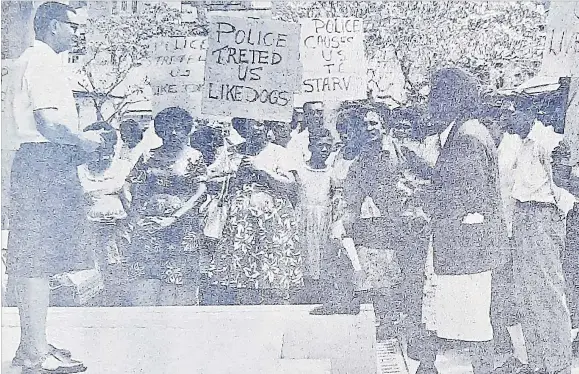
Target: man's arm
49 124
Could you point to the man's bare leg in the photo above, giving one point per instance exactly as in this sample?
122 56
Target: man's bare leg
33 296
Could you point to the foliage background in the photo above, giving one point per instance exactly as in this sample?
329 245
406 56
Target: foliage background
499 42
117 51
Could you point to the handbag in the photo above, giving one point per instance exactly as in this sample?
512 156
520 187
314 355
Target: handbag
216 218
217 212
82 286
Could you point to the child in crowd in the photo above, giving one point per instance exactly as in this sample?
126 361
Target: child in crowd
132 135
102 183
328 273
316 210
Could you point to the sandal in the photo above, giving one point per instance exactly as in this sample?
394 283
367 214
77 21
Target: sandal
59 353
51 364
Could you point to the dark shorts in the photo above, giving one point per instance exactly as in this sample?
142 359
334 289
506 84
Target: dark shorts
48 215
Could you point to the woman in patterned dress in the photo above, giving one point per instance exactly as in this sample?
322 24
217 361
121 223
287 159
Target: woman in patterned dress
166 186
258 256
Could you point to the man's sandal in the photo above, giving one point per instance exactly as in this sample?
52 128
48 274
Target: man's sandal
51 364
59 353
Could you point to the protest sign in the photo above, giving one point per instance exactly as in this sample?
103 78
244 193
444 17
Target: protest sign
332 55
386 79
561 59
561 54
252 68
176 72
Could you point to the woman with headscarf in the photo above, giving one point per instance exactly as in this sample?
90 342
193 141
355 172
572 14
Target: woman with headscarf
258 256
167 183
469 237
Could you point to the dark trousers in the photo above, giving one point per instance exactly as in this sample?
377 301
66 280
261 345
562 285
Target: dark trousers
411 254
503 310
570 261
412 251
540 285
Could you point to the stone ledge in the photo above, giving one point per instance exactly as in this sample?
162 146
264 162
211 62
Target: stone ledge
236 339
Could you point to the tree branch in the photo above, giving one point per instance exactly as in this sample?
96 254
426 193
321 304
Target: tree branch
123 106
120 78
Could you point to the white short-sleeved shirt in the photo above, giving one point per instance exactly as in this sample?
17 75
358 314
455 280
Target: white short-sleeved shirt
45 84
316 185
276 159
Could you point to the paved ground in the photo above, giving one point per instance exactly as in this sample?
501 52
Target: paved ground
207 340
216 340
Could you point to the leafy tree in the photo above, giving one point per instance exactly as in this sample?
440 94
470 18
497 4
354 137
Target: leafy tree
499 42
117 47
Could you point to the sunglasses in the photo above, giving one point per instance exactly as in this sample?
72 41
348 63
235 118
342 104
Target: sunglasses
73 26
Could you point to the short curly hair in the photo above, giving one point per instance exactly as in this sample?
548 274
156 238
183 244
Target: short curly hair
173 116
459 90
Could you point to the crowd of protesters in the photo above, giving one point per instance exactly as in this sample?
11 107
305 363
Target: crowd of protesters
457 221
451 221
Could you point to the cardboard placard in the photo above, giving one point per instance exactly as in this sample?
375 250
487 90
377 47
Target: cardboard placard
176 72
252 68
334 63
561 54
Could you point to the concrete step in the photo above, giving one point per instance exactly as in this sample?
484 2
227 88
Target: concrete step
348 341
263 367
302 367
206 340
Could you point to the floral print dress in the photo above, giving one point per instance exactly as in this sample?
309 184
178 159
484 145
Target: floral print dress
161 185
260 244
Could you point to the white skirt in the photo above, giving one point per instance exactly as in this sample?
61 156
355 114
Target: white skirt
458 307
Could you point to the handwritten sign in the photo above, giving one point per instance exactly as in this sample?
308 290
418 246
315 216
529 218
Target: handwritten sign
332 54
385 77
252 68
176 72
561 54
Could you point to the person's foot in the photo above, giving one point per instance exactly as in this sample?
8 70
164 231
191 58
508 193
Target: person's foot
60 353
50 364
326 310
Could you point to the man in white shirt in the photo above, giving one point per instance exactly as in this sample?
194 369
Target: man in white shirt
47 199
539 232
